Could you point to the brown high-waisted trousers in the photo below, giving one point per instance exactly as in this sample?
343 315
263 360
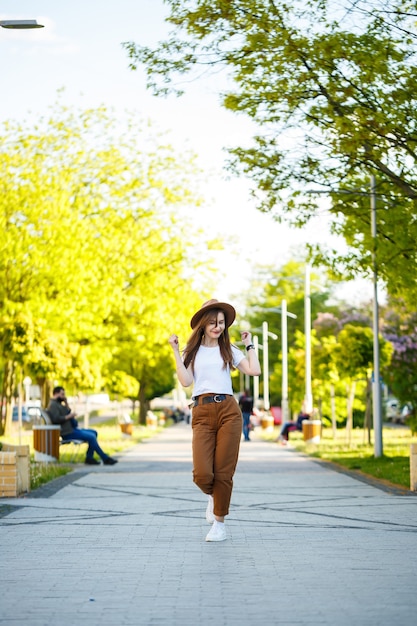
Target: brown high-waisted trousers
217 431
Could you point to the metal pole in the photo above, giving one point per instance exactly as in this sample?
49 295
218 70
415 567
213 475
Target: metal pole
266 365
27 381
284 358
308 400
86 421
376 385
19 406
256 378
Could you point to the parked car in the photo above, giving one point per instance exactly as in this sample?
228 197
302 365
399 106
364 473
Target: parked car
405 412
30 414
392 410
396 413
25 415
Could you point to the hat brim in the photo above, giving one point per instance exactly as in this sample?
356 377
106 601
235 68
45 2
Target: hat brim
227 309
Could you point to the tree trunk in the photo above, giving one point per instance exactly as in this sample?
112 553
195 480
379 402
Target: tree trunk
368 411
320 408
333 410
143 403
349 423
46 387
9 381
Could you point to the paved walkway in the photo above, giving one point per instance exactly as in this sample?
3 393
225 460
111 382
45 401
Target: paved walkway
124 545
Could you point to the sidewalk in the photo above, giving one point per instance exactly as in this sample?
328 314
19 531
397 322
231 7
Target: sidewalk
124 545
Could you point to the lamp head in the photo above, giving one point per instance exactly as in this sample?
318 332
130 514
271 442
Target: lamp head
20 24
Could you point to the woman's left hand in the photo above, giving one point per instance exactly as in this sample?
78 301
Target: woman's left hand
246 337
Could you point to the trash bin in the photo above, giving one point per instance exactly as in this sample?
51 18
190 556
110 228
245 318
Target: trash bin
126 424
267 422
311 431
127 429
46 442
151 420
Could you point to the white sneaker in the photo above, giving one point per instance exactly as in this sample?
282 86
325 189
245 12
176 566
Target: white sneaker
209 510
217 532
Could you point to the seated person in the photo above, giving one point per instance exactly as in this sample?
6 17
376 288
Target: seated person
60 413
291 426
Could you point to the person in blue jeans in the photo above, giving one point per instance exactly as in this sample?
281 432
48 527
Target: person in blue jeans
246 406
60 413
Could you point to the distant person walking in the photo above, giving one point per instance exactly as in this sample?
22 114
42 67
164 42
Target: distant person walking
60 413
246 406
207 361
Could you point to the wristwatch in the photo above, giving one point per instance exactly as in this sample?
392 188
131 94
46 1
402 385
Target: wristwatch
250 347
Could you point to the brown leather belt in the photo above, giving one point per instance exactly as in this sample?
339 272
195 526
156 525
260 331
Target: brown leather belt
216 397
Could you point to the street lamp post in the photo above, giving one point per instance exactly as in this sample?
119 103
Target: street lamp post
265 351
20 25
27 381
284 350
308 400
284 363
256 378
266 365
376 387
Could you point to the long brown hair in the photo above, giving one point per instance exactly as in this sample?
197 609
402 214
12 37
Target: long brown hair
196 337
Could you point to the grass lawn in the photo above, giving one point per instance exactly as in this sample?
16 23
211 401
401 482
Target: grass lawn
393 467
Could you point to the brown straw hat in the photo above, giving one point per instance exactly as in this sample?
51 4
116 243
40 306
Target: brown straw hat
227 309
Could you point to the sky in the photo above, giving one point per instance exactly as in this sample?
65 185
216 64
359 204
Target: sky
80 51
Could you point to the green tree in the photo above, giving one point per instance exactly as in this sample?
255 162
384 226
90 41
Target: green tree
400 329
270 287
354 361
16 340
327 382
319 78
141 341
95 245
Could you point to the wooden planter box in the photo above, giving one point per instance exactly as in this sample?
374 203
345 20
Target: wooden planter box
46 442
14 470
267 422
311 431
127 429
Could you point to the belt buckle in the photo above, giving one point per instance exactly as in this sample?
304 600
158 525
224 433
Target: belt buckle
217 397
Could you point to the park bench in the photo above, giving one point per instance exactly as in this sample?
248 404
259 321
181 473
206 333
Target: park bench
76 443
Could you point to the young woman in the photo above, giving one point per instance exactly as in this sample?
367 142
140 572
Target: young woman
207 361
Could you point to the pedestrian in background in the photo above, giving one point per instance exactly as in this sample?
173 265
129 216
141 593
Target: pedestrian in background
207 361
246 406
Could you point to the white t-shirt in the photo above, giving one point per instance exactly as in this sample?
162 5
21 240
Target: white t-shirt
209 374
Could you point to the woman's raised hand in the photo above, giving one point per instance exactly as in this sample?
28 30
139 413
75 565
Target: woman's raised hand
173 342
246 337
